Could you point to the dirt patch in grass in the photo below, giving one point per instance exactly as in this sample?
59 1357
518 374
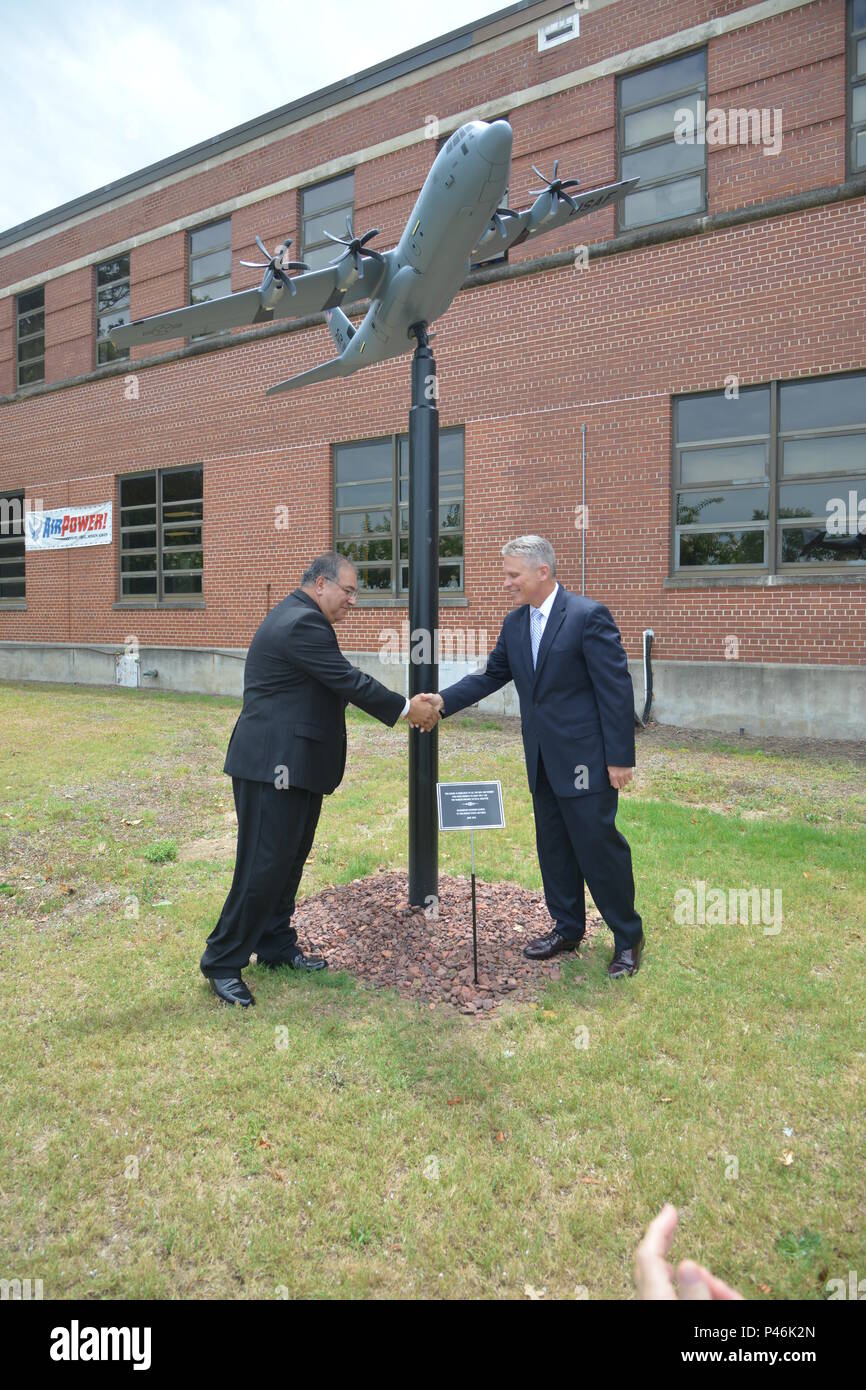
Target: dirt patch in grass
367 928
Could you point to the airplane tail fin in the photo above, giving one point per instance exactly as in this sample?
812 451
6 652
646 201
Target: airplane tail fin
342 330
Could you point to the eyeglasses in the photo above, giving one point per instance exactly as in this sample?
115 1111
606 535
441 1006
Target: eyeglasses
352 593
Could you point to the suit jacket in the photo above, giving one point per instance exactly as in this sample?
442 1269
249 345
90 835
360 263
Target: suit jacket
577 706
297 684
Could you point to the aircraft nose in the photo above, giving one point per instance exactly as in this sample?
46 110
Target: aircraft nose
494 143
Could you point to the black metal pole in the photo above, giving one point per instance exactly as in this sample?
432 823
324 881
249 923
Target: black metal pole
423 620
474 915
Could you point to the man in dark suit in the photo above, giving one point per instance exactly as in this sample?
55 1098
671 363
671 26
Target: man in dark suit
566 659
287 750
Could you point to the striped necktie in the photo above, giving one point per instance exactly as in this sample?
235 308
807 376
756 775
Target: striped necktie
535 631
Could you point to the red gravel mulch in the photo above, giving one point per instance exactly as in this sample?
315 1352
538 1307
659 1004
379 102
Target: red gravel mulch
368 929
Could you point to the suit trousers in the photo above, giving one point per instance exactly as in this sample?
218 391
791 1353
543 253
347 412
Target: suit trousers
276 828
578 843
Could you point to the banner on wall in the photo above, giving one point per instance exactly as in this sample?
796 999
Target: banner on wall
63 527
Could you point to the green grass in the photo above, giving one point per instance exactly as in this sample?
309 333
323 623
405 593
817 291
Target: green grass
342 1141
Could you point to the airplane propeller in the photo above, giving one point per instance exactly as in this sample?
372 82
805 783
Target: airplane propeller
497 217
275 266
555 188
355 246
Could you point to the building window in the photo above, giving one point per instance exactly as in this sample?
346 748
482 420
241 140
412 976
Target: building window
161 556
325 207
857 94
774 479
651 144
210 265
112 306
12 547
30 336
371 512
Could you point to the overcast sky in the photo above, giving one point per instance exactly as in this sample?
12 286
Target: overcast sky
94 89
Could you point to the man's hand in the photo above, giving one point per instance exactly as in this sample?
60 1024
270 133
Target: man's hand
620 776
424 712
655 1276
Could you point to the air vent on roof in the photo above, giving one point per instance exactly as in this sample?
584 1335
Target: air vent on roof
559 30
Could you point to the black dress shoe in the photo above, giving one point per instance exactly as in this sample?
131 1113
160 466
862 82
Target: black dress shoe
295 959
626 962
232 990
543 947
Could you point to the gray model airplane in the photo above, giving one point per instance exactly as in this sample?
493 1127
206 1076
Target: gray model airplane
457 220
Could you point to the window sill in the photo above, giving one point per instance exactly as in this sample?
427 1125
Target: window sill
162 607
451 601
12 606
761 581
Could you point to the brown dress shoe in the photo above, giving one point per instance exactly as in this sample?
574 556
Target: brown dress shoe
626 962
543 947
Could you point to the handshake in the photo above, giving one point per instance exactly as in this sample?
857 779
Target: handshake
425 711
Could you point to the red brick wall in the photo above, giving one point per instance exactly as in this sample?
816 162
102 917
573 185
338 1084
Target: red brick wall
522 363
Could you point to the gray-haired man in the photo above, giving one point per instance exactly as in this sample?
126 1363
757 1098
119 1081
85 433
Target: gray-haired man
287 750
566 659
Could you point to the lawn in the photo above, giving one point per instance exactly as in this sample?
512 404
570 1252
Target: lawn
338 1141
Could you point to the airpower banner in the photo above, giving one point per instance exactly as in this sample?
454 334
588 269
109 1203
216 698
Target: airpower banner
63 527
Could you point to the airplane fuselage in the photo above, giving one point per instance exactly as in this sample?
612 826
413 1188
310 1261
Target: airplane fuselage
425 270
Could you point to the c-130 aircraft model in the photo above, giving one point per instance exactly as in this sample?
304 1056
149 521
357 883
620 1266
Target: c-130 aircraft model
457 220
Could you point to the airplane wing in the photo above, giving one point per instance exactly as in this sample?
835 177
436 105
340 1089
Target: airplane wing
546 215
309 293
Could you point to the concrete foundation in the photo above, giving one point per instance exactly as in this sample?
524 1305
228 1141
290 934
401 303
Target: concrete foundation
777 698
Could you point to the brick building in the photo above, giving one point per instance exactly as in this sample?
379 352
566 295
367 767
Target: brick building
681 409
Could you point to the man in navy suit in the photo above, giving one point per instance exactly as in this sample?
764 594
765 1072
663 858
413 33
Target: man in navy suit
566 658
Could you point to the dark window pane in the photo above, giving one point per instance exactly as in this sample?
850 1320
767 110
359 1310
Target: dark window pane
366 550
112 297
840 453
173 512
729 463
451 514
182 584
180 485
31 373
181 536
113 270
33 348
861 57
107 352
31 323
135 586
450 546
715 417
33 299
138 491
370 577
858 112
360 462
828 401
334 222
738 504
449 576
334 193
859 15
139 540
662 160
722 548
450 450
138 564
811 545
11 588
183 560
12 569
860 155
207 238
663 203
666 77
